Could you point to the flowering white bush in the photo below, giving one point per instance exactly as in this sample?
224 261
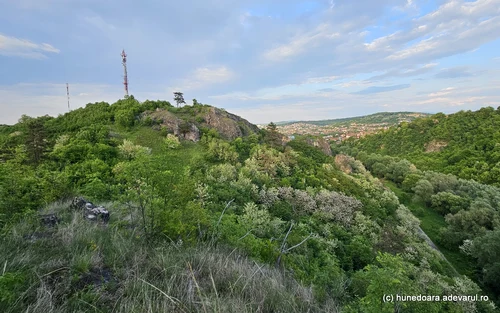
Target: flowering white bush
172 142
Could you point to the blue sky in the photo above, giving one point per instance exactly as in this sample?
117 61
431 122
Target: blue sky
266 60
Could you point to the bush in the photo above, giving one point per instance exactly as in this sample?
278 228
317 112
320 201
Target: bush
172 142
125 118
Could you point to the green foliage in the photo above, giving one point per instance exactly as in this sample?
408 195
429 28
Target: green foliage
321 219
221 151
129 151
272 136
464 144
486 249
36 141
446 202
179 98
259 221
453 211
125 118
11 286
172 142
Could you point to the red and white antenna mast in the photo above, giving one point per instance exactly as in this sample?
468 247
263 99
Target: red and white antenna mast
125 78
67 93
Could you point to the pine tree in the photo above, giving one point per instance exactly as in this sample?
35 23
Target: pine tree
179 98
36 140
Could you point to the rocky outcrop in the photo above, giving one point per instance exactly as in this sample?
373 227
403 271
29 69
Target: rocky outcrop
187 124
90 211
321 144
174 125
192 134
230 126
343 162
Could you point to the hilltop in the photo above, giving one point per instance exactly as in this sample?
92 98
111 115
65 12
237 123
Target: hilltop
232 220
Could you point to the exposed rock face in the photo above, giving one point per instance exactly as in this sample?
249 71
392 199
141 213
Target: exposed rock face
322 144
342 162
175 125
228 125
193 134
90 211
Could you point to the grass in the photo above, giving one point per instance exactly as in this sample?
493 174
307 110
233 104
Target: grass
146 137
431 223
81 266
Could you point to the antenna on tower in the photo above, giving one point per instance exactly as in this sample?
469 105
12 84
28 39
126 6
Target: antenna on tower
125 78
67 93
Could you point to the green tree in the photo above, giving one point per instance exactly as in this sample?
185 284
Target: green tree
486 249
125 118
179 98
273 137
36 140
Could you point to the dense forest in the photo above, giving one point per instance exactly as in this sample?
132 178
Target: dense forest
466 144
233 221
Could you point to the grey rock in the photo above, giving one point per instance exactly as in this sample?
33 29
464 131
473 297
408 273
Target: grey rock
90 211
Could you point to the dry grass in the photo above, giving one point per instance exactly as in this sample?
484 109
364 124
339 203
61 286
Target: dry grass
80 266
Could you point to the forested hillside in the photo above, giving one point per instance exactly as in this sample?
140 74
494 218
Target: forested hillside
377 118
210 214
461 216
466 144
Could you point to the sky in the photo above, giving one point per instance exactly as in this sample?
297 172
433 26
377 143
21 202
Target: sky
265 60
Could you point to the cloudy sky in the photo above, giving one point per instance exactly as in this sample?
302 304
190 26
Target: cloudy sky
266 60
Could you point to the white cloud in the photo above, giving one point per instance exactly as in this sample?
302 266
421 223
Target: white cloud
331 48
12 46
301 43
443 92
320 80
457 26
204 77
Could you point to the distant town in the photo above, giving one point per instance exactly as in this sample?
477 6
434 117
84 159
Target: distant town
342 129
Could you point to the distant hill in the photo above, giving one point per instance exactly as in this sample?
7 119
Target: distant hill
466 144
377 118
344 128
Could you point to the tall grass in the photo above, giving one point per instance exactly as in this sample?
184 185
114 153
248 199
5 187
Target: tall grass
82 266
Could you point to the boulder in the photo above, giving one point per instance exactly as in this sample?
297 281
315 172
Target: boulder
49 220
90 211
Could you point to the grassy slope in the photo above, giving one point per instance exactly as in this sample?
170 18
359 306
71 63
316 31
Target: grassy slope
431 223
81 266
85 267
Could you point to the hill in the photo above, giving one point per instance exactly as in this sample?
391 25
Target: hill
337 130
389 118
235 220
465 144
